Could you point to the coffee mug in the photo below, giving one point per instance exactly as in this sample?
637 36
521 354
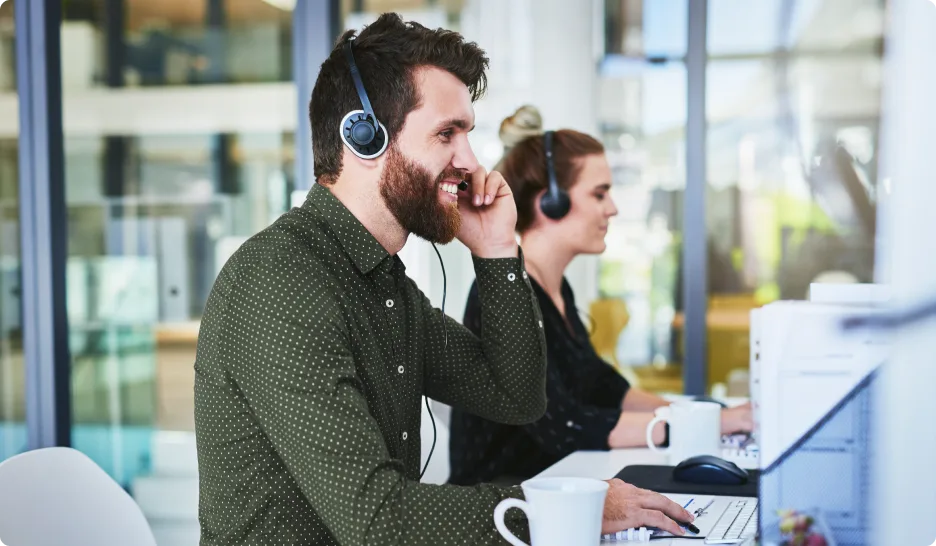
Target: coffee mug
694 429
561 511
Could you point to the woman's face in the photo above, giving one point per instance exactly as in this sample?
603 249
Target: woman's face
583 229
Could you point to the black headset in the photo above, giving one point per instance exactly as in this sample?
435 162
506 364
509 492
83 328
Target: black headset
555 203
360 130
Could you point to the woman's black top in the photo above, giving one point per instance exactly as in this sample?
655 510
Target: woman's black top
584 395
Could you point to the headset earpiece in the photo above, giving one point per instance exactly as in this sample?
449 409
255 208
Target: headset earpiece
555 202
361 136
360 131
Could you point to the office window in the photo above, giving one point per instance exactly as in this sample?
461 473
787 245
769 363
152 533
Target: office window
12 372
642 113
175 43
793 130
179 119
431 13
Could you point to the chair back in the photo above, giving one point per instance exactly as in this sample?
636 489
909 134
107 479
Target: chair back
59 497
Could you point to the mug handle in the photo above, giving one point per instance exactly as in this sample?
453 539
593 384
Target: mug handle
650 425
501 511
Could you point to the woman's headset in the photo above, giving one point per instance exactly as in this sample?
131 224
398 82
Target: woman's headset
360 130
555 202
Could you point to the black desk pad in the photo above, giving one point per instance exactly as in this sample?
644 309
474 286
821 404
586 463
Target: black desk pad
659 478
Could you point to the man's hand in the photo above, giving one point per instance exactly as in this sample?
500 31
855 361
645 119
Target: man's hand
737 419
629 507
489 216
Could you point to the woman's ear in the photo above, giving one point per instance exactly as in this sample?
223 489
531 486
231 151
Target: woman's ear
539 218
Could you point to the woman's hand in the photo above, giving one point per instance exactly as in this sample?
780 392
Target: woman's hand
737 419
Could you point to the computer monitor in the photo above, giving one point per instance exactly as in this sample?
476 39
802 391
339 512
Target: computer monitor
826 474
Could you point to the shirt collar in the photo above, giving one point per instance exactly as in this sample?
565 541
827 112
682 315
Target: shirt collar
358 243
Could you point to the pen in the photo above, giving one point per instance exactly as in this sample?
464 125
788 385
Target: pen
692 528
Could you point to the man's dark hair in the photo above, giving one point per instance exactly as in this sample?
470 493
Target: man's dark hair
387 53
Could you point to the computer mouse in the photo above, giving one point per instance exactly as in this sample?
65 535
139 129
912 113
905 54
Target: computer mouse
709 470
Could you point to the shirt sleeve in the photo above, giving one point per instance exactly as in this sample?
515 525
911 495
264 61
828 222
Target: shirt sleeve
568 424
498 373
308 400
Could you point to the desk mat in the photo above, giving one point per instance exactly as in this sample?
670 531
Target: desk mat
659 478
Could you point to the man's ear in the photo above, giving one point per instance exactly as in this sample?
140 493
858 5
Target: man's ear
348 158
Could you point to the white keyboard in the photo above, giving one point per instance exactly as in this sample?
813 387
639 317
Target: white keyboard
744 458
738 523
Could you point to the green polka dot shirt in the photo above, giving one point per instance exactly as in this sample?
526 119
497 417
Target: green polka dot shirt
313 353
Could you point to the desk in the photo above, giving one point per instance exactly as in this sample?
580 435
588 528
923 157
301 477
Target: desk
603 465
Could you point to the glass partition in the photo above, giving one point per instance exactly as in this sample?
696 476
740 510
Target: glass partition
179 119
793 141
12 372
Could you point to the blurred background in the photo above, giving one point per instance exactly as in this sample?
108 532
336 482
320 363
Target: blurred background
180 134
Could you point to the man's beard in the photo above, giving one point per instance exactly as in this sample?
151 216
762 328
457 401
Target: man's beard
412 195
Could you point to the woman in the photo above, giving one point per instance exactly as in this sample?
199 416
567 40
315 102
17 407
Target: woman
590 406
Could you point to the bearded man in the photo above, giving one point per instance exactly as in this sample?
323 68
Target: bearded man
316 348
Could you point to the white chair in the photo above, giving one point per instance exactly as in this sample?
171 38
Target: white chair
59 497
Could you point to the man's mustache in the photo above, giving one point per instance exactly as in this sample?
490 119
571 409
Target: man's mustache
457 174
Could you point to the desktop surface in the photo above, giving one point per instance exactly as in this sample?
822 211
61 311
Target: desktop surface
604 465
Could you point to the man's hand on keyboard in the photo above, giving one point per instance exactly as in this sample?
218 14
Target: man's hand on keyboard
629 507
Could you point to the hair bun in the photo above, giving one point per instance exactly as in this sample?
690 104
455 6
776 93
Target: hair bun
524 123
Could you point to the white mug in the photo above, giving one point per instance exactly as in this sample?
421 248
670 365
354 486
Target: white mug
694 429
561 511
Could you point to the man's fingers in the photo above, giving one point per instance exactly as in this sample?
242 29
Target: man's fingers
494 187
478 179
658 502
653 518
486 187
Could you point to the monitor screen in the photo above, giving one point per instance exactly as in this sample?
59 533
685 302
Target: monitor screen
825 476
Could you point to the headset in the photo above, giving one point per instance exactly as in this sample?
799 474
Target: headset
555 203
360 130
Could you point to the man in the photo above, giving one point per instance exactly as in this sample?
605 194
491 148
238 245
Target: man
315 347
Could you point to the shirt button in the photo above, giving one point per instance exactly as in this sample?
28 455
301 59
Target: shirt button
405 435
525 276
511 277
541 324
389 303
570 424
400 369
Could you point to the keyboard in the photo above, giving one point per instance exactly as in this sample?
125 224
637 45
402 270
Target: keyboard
737 523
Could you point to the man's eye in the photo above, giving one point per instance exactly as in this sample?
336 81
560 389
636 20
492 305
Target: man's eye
447 134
